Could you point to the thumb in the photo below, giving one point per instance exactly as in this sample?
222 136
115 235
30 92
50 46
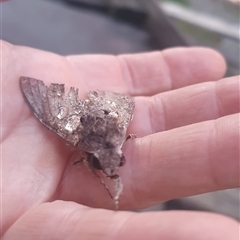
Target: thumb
68 220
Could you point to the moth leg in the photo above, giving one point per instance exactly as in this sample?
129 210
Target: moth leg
78 162
103 183
117 189
80 158
130 136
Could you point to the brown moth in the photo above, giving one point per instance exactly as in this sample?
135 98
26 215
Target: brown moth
96 126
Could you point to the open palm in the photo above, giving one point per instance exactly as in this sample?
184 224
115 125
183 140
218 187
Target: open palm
187 126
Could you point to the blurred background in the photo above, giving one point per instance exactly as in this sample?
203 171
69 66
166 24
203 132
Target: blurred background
132 26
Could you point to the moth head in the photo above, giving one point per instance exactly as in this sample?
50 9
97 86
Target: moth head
108 160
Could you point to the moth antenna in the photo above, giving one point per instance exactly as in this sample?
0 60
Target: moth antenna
103 183
117 190
90 167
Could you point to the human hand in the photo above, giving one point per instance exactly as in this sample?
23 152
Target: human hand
187 125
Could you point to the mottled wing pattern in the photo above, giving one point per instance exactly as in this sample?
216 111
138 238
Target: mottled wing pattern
59 113
118 105
62 113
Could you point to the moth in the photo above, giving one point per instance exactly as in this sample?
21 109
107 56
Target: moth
96 126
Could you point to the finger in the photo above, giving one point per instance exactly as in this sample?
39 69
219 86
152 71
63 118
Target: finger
185 161
192 104
149 73
138 74
68 220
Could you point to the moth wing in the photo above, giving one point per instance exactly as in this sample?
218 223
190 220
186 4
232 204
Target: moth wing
59 113
119 105
34 91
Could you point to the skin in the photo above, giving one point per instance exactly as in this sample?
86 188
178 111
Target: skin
187 125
